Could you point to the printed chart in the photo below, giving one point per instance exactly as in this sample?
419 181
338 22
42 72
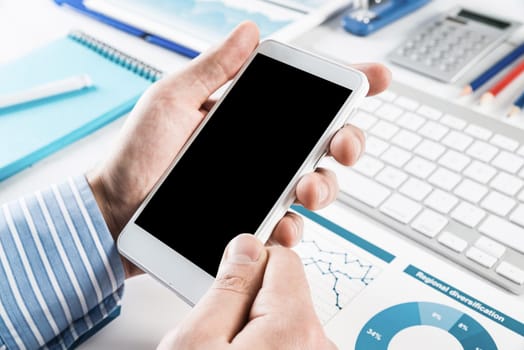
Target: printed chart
335 274
380 330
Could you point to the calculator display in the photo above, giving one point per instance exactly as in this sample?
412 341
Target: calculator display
483 19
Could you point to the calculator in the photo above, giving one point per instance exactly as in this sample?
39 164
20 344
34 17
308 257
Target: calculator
450 44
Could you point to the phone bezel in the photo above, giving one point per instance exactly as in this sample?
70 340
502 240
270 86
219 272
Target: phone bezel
177 272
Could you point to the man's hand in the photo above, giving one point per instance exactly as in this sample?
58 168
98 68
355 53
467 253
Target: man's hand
171 109
259 300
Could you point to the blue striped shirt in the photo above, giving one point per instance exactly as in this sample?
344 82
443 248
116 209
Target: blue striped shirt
61 277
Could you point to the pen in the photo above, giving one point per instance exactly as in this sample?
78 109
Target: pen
493 70
518 105
40 92
489 95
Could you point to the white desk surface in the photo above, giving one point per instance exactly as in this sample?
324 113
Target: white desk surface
149 309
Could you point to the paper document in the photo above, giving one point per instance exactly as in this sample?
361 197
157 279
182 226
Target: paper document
198 24
373 290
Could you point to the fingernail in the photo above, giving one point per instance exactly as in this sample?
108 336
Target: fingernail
244 249
323 192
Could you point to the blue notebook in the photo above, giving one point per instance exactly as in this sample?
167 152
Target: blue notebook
30 132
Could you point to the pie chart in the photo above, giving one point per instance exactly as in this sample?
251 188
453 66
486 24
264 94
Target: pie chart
414 319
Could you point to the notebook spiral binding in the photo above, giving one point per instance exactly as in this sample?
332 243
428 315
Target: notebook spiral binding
144 70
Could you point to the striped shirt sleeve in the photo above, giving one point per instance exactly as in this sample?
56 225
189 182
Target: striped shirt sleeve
61 277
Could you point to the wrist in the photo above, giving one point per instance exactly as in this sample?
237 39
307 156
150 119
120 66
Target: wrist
115 219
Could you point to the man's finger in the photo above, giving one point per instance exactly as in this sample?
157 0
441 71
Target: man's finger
379 76
212 69
224 309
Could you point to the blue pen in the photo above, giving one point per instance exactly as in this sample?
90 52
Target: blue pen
494 69
518 105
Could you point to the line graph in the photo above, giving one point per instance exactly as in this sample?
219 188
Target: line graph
335 273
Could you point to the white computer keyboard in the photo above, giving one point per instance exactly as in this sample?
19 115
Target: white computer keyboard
445 176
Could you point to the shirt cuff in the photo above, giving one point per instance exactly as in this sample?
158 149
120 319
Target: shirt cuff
62 275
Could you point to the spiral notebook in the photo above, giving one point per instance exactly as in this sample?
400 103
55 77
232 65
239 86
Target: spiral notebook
33 131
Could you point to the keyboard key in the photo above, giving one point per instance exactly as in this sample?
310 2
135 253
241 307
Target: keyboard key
415 189
429 112
410 121
429 223
430 150
406 139
375 146
454 160
387 95
391 177
362 120
433 130
507 184
498 203
504 142
445 179
511 272
518 215
504 231
453 122
396 156
481 257
452 241
384 130
388 112
419 167
470 191
508 162
441 201
521 151
457 140
360 187
480 172
370 104
468 214
478 132
400 208
406 103
482 151
368 165
490 246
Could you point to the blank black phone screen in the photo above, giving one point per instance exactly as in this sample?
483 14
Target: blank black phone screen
242 160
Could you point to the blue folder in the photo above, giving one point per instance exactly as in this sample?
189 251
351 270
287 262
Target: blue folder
154 39
34 130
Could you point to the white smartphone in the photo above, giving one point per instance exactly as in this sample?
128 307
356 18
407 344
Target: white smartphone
238 171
